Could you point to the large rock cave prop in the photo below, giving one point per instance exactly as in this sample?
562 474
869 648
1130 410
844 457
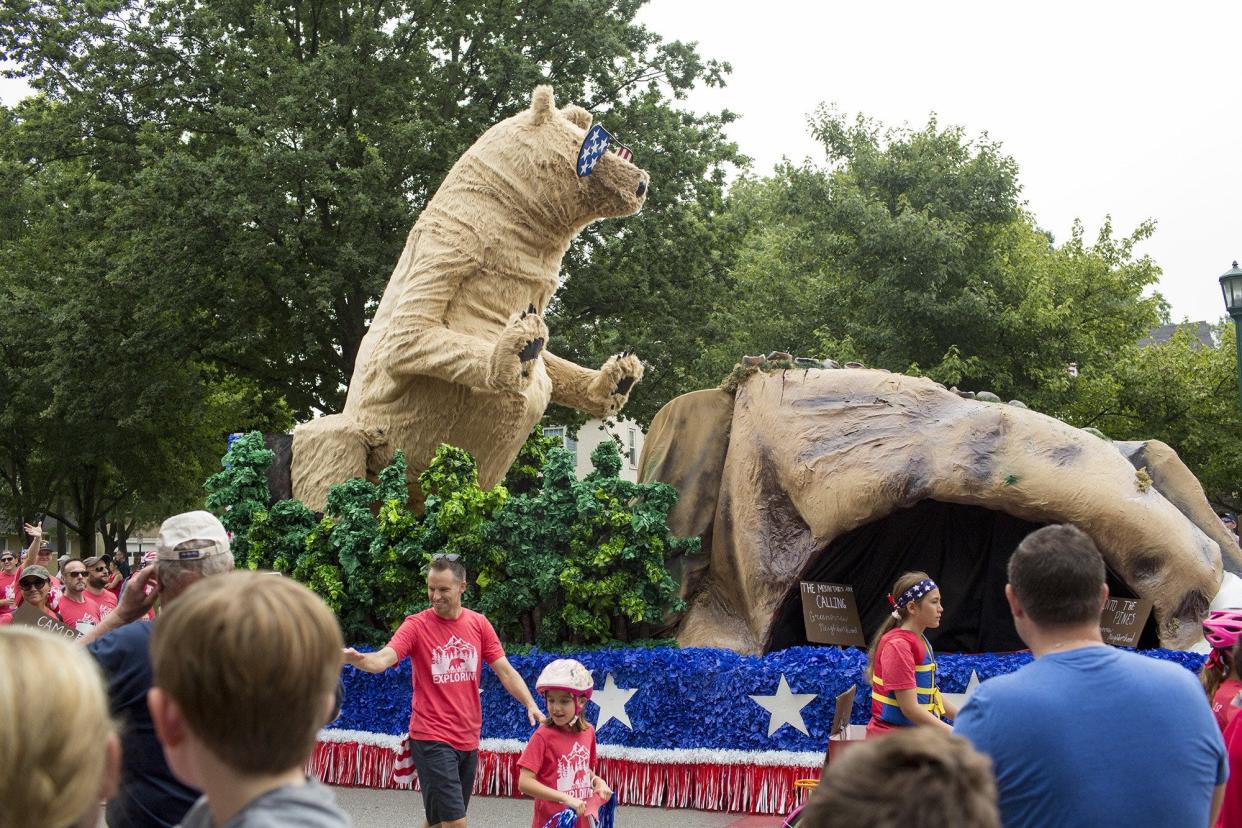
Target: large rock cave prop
854 475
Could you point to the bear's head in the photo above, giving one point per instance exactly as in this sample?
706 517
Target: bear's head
533 158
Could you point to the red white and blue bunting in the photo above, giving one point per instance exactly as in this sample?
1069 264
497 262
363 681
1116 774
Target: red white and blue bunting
694 728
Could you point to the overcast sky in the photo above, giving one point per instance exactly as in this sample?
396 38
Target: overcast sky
1129 109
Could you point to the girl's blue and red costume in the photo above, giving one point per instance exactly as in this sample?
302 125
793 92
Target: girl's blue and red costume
904 661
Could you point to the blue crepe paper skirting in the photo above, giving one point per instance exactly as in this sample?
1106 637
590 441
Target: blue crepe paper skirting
687 698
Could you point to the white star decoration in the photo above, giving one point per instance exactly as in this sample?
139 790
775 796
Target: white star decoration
959 699
784 707
611 702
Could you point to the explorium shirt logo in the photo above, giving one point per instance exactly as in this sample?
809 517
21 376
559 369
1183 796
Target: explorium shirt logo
573 773
455 661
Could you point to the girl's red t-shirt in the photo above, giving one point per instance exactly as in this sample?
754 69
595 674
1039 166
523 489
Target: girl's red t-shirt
1222 701
1231 807
563 760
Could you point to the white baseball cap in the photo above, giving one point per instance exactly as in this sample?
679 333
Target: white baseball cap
191 536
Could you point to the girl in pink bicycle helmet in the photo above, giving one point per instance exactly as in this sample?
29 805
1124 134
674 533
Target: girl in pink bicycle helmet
1223 629
557 766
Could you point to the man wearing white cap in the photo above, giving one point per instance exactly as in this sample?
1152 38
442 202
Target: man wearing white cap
191 546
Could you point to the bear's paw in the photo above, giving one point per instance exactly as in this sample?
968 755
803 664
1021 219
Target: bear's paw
519 347
613 382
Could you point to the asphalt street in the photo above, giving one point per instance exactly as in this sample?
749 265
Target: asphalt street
404 809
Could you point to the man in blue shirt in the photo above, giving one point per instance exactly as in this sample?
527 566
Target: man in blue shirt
1088 734
191 546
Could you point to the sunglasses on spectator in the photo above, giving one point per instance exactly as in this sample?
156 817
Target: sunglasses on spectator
7 558
441 556
100 569
77 573
33 583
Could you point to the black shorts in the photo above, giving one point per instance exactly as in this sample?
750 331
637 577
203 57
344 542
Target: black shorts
446 776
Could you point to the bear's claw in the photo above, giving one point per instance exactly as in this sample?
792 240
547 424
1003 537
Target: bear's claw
531 349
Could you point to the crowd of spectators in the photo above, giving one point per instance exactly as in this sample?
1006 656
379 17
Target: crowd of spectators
173 722
194 697
78 593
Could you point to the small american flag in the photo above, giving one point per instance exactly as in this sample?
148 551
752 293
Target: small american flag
625 152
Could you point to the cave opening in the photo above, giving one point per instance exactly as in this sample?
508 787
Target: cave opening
965 549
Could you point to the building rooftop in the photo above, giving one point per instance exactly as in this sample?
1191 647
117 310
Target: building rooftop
1202 331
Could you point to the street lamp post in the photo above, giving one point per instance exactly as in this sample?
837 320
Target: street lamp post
1231 287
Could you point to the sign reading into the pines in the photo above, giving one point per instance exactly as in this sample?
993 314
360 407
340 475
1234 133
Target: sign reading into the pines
831 614
1122 621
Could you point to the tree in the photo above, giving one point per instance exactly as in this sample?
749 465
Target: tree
912 252
272 156
1179 391
109 416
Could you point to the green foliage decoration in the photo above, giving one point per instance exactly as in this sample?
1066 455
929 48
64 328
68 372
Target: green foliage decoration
239 493
586 560
567 562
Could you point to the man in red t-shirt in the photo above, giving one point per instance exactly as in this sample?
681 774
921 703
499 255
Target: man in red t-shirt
38 554
8 584
96 583
447 645
76 607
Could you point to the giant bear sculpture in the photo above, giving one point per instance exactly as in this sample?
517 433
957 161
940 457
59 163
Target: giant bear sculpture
777 476
457 351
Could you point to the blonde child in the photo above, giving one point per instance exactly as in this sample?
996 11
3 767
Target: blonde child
901 665
59 751
558 762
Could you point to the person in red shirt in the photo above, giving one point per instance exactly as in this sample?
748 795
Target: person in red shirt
901 665
116 578
1231 805
35 587
559 760
76 607
38 553
96 586
1223 630
8 584
447 646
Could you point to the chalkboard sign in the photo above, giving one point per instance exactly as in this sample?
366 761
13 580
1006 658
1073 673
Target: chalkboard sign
831 614
1122 621
29 615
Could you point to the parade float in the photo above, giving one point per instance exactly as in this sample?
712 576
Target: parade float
684 592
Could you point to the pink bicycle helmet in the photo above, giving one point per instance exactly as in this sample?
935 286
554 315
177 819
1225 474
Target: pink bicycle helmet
1222 628
568 675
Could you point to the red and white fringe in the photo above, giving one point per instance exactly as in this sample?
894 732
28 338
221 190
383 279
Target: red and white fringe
760 786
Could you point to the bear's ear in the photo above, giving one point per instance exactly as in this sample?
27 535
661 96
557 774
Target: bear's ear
577 116
542 104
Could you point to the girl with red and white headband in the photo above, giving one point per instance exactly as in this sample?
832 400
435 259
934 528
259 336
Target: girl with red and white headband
559 761
901 665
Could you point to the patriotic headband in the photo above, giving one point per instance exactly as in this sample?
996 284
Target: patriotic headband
914 593
594 145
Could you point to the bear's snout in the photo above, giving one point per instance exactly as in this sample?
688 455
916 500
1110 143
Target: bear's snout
641 190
